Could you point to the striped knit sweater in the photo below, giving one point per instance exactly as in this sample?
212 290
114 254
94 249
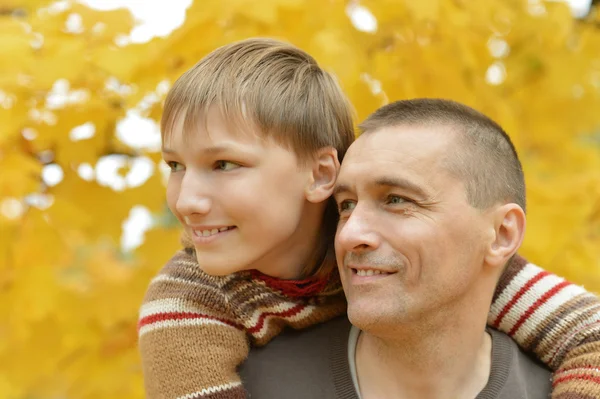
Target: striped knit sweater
195 329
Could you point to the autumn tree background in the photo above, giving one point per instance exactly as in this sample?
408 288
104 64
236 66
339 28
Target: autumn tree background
70 289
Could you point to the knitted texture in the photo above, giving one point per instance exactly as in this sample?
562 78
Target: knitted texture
195 329
557 321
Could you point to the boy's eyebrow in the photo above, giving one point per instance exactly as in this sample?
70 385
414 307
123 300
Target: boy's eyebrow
210 150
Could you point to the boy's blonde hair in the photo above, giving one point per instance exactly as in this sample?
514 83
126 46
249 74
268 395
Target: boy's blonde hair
273 85
282 91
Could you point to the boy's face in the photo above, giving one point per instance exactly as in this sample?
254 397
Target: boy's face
239 196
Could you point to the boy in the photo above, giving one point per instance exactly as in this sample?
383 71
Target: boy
254 134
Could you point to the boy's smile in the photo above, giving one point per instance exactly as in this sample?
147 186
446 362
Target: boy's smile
206 235
240 197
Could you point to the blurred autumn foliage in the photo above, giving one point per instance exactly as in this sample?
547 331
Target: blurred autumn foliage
69 292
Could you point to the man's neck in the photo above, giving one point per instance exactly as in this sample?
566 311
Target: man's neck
425 362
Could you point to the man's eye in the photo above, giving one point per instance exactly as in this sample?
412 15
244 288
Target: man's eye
175 166
346 206
395 199
226 165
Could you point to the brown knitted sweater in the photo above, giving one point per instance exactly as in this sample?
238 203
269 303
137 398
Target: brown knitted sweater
195 329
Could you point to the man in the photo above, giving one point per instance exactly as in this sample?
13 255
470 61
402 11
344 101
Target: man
432 207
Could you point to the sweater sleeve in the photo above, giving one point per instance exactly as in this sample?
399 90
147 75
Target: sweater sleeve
557 321
195 329
189 341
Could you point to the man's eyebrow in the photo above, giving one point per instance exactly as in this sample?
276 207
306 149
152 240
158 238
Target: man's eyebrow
400 183
384 182
341 189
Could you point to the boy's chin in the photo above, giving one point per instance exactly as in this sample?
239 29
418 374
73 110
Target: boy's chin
214 268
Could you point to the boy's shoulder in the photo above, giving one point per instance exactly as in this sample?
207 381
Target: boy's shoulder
183 288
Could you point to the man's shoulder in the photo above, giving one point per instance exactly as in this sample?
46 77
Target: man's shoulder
298 363
518 373
296 347
535 377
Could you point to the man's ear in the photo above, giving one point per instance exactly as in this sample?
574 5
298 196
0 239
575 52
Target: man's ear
509 230
323 173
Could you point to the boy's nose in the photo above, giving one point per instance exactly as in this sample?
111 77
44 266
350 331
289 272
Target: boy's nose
194 198
187 205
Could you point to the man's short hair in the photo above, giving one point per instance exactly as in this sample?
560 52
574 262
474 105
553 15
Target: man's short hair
271 84
483 156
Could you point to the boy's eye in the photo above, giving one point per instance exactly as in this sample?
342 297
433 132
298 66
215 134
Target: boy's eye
175 166
226 165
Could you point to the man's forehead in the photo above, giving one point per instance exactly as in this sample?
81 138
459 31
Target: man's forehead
409 154
433 134
398 144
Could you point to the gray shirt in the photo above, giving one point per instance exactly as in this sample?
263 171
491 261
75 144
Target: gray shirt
313 364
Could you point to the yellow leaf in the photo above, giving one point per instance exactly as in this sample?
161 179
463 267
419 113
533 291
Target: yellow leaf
20 174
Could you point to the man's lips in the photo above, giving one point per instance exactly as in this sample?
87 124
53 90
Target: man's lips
366 271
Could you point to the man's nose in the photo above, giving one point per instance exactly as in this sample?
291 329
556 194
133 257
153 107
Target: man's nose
194 195
358 232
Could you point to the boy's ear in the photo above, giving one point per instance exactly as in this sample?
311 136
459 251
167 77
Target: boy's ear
509 230
323 173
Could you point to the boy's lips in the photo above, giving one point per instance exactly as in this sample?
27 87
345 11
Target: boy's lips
208 231
200 239
207 235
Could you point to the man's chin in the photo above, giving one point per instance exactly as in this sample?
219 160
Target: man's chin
372 316
363 317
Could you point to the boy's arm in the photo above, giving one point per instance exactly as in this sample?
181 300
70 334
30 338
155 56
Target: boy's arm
194 328
189 342
556 320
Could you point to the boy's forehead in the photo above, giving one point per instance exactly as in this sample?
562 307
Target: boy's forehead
217 136
212 126
209 126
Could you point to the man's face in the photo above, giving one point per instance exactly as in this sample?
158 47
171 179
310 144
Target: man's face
408 243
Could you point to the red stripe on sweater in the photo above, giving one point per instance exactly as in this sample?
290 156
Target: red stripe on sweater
261 319
582 367
518 296
580 377
573 333
183 316
294 288
543 299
